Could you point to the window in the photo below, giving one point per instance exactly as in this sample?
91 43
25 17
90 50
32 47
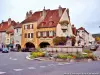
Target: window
44 34
17 30
28 35
50 33
25 35
25 27
31 26
31 35
28 26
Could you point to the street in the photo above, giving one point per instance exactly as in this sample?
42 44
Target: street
15 63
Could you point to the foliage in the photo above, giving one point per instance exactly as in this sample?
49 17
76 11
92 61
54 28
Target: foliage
37 54
59 40
97 38
87 51
64 56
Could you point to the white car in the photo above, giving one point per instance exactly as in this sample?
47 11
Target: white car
93 47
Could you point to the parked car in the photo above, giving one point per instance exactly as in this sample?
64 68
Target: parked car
93 47
1 49
5 50
25 50
14 50
28 49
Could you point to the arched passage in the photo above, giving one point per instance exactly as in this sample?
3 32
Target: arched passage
44 44
29 45
18 46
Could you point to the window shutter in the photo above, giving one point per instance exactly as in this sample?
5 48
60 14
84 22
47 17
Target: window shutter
24 27
41 34
28 35
53 33
31 35
37 35
28 26
47 33
32 26
25 35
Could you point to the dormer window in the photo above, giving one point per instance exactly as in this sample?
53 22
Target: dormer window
43 23
64 22
51 22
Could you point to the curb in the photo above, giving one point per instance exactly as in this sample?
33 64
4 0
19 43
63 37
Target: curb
28 57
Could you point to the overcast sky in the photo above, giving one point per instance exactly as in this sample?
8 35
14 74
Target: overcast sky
84 13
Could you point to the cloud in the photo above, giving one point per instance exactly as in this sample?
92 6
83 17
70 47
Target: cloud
83 12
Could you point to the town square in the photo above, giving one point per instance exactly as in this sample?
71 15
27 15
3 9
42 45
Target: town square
60 38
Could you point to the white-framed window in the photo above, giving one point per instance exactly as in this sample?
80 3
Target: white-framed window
50 33
31 26
44 34
17 30
25 26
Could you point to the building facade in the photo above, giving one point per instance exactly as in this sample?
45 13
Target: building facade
41 27
17 34
6 32
87 37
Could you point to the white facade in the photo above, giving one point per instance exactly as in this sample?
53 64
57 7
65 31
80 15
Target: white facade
59 31
2 37
91 39
17 36
87 37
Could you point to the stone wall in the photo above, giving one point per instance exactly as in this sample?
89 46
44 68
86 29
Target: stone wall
63 49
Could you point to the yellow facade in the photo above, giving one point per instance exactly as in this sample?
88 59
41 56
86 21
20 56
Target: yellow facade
35 40
7 41
48 40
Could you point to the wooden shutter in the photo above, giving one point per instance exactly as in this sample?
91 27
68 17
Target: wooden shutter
31 35
32 26
25 35
47 33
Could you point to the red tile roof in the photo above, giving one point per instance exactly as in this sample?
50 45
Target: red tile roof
81 28
10 31
51 20
4 25
35 17
19 25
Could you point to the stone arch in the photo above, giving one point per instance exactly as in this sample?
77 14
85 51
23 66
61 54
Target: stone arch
44 44
18 46
29 45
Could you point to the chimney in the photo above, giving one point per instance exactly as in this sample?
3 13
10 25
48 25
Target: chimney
44 12
72 25
27 15
9 21
60 11
2 21
17 23
68 11
30 13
